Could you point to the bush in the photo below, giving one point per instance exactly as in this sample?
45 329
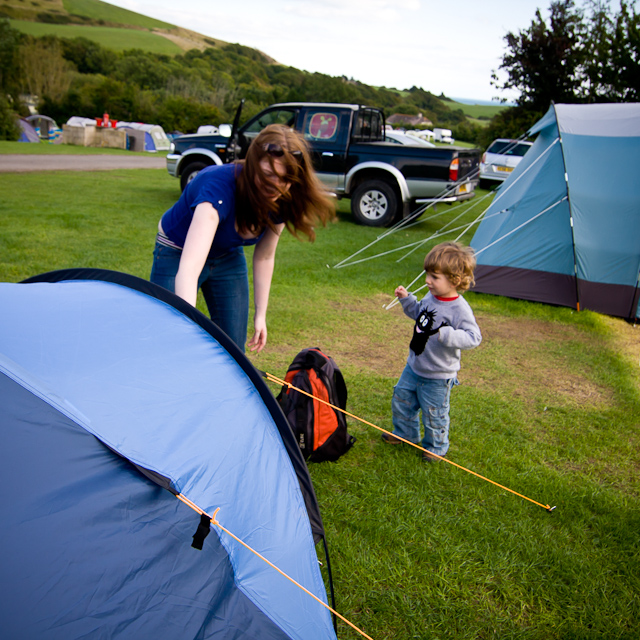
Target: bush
9 129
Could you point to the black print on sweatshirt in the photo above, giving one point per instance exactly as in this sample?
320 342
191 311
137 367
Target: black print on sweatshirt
423 330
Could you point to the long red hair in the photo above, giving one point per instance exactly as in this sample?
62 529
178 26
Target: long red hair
305 204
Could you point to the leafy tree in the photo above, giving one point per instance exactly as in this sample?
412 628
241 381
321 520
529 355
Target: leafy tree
181 114
625 55
9 129
509 123
542 62
583 54
143 69
44 71
10 40
88 56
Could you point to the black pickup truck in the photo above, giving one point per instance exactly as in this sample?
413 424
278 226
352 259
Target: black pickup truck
384 180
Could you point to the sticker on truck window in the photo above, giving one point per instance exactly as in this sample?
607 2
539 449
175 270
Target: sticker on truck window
323 126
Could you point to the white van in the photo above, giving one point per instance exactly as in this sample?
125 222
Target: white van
442 135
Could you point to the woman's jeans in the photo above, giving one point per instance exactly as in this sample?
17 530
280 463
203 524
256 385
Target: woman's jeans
413 393
224 282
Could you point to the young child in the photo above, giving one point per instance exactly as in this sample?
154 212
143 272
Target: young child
444 326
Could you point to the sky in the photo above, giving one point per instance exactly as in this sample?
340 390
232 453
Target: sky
442 46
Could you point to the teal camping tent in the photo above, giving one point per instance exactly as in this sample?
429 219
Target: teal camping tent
564 228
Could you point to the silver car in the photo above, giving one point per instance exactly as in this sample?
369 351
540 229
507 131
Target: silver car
500 159
402 138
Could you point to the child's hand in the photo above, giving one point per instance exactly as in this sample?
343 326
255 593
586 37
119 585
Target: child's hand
401 292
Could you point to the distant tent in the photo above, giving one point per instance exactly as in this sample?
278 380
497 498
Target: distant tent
118 398
154 139
46 128
564 228
27 132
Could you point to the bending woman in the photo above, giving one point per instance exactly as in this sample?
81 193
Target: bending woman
226 207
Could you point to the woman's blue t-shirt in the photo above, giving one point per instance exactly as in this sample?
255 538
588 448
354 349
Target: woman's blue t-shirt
216 185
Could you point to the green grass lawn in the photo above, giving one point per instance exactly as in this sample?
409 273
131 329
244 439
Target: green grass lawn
549 406
118 39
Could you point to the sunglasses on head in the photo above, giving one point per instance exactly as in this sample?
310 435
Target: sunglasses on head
276 151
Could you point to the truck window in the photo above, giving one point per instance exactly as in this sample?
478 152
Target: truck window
368 125
276 116
324 127
321 126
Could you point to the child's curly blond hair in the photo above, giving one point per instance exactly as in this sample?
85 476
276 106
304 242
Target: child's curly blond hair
454 261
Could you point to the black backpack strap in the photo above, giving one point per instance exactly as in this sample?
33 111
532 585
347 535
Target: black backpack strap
341 388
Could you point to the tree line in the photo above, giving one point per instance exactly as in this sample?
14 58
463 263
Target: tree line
79 77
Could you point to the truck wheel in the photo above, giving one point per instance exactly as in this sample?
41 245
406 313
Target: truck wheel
374 203
190 172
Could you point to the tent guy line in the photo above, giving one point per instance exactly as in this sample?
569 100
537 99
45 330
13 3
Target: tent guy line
510 184
395 301
419 243
284 383
414 218
412 221
214 521
524 224
480 218
404 223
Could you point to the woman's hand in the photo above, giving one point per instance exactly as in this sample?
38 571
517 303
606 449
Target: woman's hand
259 339
401 292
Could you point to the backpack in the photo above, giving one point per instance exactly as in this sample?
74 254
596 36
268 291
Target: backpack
320 430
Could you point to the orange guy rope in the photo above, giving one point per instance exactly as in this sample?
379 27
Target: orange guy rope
283 383
273 566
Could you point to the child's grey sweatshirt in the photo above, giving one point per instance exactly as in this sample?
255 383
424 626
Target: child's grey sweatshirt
443 328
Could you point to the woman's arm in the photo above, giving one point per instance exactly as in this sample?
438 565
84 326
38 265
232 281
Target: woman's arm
263 265
196 248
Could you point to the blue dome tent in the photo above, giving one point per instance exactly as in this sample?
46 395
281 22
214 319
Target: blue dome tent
118 398
564 228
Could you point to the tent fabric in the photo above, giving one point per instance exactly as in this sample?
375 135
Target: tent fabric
27 132
139 140
113 390
564 228
46 128
155 140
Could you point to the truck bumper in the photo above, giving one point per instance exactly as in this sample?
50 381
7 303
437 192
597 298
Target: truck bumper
172 163
462 192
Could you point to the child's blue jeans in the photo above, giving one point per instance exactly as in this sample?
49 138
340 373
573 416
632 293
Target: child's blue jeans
413 393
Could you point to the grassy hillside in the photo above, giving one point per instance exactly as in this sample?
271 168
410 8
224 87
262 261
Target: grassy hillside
102 11
90 19
115 38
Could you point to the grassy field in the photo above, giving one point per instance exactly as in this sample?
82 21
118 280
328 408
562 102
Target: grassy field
549 406
479 110
115 38
111 13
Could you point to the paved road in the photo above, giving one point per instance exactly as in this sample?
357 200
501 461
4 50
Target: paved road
22 163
